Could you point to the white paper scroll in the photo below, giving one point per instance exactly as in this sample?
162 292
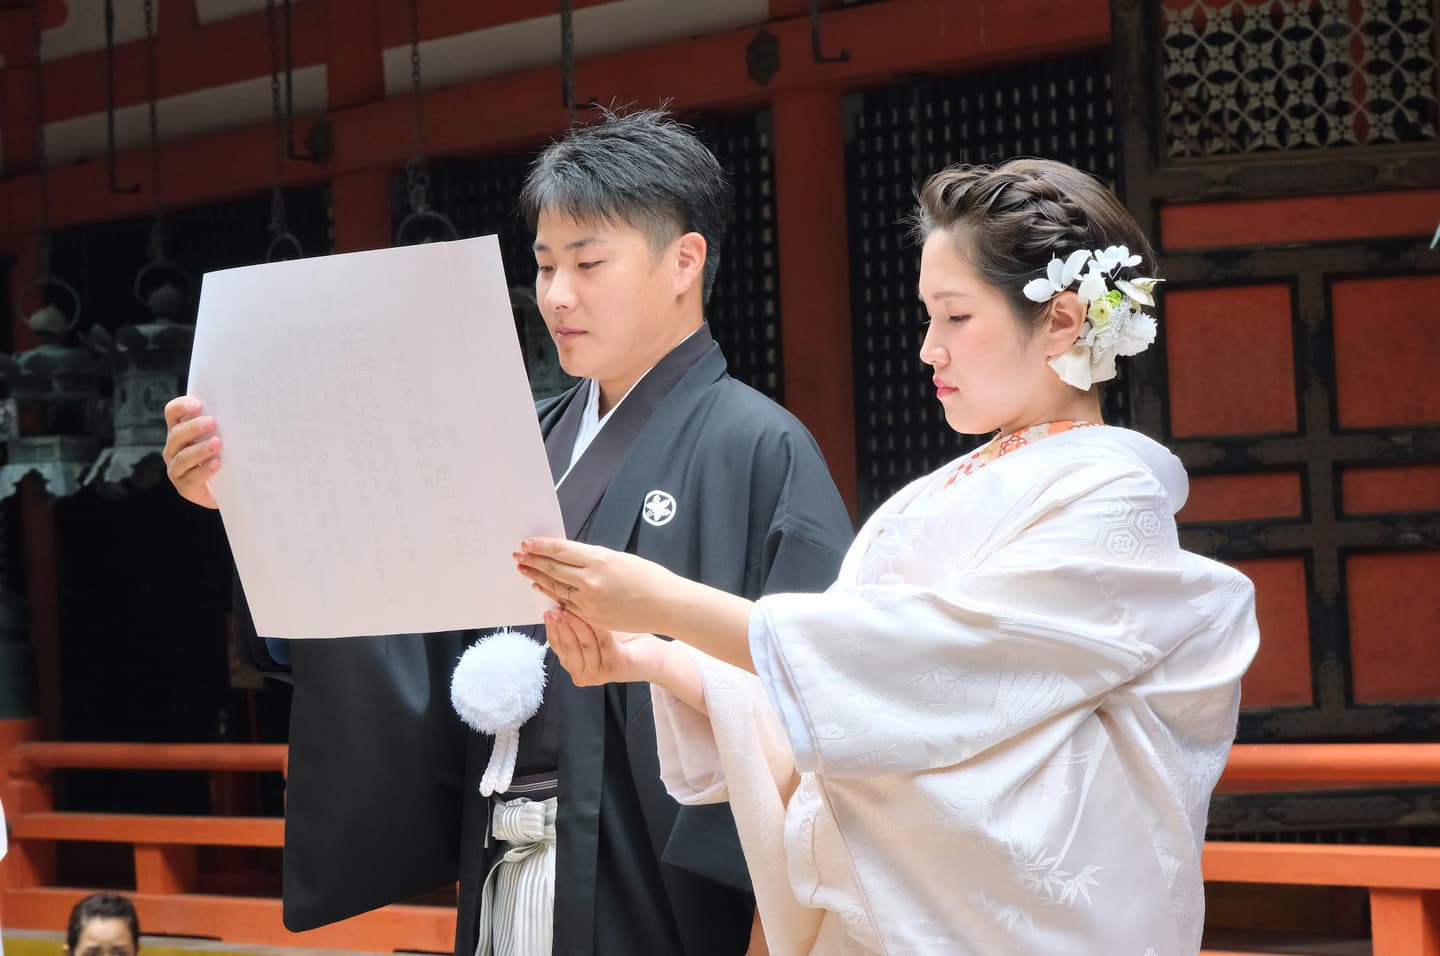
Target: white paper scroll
381 453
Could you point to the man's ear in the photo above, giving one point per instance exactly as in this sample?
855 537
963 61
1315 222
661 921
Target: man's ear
690 251
1064 324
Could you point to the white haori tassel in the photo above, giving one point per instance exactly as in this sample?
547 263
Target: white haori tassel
497 686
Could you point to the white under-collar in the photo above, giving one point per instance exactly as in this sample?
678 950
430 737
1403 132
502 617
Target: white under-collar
591 421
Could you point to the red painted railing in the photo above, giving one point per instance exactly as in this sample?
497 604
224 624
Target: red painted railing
1404 882
166 852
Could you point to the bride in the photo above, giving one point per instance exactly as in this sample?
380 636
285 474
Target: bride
998 731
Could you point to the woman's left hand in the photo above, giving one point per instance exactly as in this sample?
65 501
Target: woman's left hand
607 588
594 655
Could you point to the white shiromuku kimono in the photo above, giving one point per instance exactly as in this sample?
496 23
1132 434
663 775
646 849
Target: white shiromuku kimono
998 731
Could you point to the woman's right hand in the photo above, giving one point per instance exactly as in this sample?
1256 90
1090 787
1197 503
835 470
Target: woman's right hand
192 450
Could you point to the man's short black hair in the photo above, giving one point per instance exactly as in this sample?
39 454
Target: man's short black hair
642 169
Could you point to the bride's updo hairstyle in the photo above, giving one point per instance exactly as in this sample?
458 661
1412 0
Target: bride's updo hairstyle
1009 221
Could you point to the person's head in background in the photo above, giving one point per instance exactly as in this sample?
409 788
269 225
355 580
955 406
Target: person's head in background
629 213
103 924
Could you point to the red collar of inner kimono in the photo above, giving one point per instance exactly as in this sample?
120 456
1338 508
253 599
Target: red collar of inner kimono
1004 444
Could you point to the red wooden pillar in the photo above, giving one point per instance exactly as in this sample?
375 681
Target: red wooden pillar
815 275
360 200
362 210
1405 922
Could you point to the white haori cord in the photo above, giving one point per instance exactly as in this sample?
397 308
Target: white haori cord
497 686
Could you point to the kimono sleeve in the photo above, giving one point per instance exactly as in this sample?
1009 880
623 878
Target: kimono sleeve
375 792
799 532
700 752
1089 596
805 537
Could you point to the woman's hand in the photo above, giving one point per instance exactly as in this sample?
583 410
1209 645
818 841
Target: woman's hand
598 655
607 588
626 593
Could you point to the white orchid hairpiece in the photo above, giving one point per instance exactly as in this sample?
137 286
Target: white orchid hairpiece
1114 322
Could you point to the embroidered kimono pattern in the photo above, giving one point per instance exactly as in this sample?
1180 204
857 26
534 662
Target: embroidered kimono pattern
998 731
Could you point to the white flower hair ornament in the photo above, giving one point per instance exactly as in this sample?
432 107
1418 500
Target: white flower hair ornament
1114 323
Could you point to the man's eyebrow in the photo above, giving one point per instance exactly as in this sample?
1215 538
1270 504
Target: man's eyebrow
578 243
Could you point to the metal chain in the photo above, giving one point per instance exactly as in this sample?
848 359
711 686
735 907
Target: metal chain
278 225
417 180
42 162
157 228
567 59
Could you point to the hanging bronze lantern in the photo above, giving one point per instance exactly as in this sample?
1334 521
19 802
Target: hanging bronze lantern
48 415
51 392
150 363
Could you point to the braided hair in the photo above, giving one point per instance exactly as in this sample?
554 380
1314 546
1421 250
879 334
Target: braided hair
1010 220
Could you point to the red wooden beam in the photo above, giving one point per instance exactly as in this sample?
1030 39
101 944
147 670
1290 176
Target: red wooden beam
150 829
443 18
885 39
1309 864
1341 763
186 60
127 756
1255 222
191 57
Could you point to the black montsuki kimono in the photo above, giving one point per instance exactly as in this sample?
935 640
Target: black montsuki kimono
701 474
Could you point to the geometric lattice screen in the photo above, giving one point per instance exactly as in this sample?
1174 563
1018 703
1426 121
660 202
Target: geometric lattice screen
1246 76
481 194
1294 374
744 310
1058 110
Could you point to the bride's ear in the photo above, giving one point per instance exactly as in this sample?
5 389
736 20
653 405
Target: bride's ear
1063 324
